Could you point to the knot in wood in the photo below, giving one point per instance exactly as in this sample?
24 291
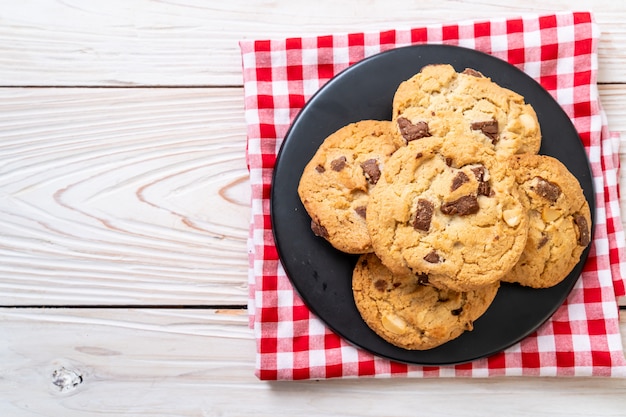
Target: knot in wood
66 379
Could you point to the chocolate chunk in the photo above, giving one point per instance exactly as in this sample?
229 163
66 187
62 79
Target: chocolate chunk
543 241
423 215
432 257
419 155
396 284
484 188
422 279
318 229
361 211
380 285
472 72
371 170
457 312
584 236
320 168
449 162
338 164
460 179
412 131
479 173
546 189
489 129
468 204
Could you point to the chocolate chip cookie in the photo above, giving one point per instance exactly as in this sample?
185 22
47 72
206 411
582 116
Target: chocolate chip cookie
438 100
408 314
336 183
560 221
450 209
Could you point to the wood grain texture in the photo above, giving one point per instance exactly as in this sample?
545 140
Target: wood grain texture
128 196
96 362
133 196
195 42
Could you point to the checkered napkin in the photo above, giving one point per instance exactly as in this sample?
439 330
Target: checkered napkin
559 51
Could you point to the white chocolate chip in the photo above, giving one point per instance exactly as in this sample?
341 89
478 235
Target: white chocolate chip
528 122
394 324
549 214
512 217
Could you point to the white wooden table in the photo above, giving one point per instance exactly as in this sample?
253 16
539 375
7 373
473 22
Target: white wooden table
124 209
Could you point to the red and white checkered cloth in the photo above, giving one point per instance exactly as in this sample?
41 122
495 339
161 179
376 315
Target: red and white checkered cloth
559 51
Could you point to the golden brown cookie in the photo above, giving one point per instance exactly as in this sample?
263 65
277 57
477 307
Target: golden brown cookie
450 209
438 100
410 315
560 221
336 183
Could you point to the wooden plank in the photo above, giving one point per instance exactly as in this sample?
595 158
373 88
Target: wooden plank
94 362
195 43
133 196
123 196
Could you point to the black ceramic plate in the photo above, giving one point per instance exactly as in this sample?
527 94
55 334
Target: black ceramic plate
322 275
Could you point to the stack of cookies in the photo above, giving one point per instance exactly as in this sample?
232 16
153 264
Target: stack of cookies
443 203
